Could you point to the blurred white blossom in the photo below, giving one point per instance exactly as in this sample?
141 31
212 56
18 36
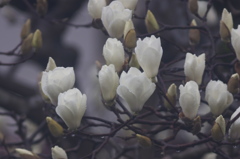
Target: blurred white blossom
189 99
56 81
58 153
114 18
149 54
95 8
194 67
25 154
235 127
218 97
129 4
113 53
235 40
135 88
71 107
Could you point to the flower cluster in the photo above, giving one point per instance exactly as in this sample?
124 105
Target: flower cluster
135 87
57 86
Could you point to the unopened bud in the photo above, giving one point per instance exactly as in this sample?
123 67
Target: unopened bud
226 25
26 46
197 124
144 141
151 22
55 128
194 34
25 154
224 32
26 29
42 7
233 84
171 95
37 39
193 6
50 65
130 36
133 61
219 129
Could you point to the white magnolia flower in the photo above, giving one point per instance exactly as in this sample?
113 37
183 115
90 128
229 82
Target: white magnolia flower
194 67
189 99
95 8
114 18
235 40
218 97
149 54
135 88
129 4
235 127
113 53
58 153
109 81
57 81
71 107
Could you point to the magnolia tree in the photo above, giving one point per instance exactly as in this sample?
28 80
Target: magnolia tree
185 107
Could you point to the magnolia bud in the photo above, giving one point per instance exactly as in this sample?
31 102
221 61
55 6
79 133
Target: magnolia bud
189 99
144 141
26 46
129 35
42 7
171 95
151 22
219 129
71 107
58 153
25 154
226 25
194 34
233 84
149 54
37 39
55 128
113 53
133 61
218 97
109 81
114 17
193 6
135 88
51 65
194 67
26 29
56 81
